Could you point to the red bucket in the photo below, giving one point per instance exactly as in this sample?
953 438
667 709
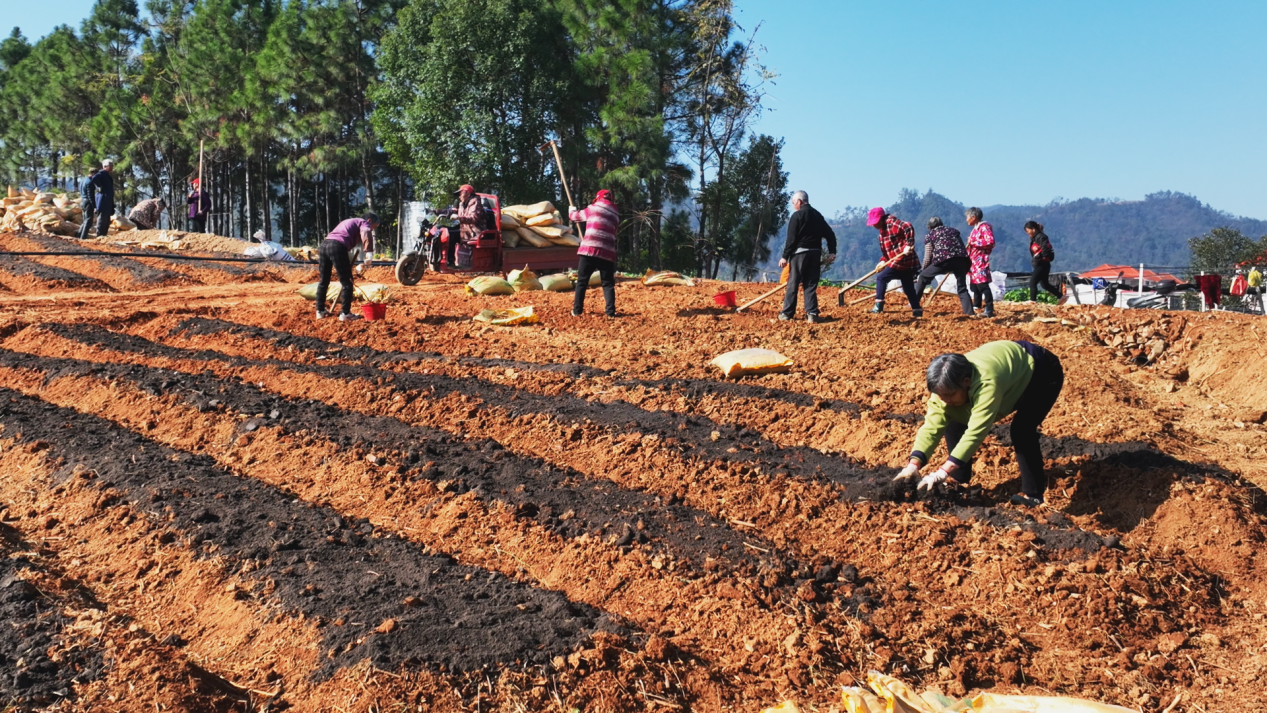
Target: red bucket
374 310
725 299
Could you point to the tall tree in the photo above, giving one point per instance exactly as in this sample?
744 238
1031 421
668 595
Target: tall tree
761 204
1223 248
470 91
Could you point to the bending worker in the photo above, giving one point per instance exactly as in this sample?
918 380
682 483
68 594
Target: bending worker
333 256
970 392
944 253
897 245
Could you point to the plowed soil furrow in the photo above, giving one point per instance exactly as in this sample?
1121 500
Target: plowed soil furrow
62 645
23 275
40 663
119 273
372 597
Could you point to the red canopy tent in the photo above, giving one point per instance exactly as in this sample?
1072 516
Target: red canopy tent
1128 272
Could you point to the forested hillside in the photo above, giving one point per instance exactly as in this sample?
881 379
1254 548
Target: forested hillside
1085 232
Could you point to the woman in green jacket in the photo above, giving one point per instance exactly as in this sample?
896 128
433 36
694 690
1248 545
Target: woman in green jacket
970 392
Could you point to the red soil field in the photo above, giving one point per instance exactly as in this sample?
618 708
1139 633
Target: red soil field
211 501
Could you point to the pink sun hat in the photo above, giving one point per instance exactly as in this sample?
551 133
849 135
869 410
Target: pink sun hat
874 216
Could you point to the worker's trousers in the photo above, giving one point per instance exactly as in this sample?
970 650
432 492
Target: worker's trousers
333 256
957 266
906 277
1039 277
85 228
585 269
103 222
804 269
1031 410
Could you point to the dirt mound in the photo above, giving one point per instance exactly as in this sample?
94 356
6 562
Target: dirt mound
430 512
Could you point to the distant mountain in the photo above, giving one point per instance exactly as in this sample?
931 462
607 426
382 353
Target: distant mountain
1085 232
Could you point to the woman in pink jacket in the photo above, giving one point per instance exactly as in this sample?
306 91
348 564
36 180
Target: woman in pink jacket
597 251
980 245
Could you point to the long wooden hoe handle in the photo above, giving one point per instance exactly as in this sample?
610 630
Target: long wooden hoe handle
558 161
840 296
782 283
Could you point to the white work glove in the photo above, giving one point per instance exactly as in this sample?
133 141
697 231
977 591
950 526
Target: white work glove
910 471
932 479
831 257
571 209
880 265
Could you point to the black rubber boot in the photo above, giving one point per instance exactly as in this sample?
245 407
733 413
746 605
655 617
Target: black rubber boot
879 307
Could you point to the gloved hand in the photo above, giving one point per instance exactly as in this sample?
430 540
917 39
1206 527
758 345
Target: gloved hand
880 265
782 262
910 471
571 209
932 479
831 257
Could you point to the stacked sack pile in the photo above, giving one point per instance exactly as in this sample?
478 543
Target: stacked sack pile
55 213
538 225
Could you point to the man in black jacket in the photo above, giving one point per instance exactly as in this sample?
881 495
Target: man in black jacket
803 253
104 183
87 203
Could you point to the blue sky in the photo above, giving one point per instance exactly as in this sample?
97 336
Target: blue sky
996 102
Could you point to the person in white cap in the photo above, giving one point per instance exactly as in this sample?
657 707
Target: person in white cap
104 183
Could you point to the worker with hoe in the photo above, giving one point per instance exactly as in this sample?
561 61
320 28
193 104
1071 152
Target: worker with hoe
970 392
103 182
334 255
803 256
598 250
897 245
88 203
980 245
147 213
199 206
944 253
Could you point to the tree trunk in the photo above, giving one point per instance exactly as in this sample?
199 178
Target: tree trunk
250 204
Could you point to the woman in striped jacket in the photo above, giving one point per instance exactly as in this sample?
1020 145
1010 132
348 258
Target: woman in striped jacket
597 251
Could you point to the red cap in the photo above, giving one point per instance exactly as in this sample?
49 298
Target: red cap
467 187
197 181
603 195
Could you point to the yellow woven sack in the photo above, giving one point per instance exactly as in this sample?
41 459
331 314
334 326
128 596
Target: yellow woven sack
550 232
567 240
364 292
557 283
537 221
489 285
528 236
666 277
992 703
523 212
509 221
524 280
507 317
743 362
510 238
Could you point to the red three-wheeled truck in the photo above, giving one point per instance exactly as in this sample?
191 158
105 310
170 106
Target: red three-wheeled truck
439 247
